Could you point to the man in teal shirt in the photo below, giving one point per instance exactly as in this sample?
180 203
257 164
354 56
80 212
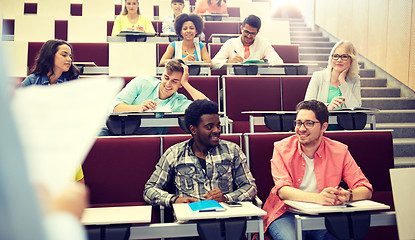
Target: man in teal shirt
148 93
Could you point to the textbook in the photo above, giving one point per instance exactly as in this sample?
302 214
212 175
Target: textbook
254 62
314 208
206 206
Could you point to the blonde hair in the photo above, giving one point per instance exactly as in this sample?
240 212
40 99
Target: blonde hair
352 52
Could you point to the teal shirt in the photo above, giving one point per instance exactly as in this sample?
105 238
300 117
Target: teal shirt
147 88
333 92
198 58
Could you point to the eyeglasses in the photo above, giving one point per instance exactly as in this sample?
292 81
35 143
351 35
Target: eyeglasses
253 34
343 57
307 124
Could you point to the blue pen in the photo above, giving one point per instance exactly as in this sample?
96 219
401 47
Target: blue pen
235 52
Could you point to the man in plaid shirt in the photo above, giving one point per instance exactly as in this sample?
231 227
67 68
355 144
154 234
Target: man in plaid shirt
204 167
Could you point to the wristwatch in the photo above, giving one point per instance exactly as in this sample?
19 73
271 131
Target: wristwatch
350 195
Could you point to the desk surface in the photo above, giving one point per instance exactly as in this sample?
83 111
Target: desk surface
116 215
368 111
184 213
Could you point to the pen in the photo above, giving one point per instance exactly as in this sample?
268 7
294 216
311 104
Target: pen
186 52
235 52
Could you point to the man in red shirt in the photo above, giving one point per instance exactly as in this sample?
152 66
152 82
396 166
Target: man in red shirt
309 167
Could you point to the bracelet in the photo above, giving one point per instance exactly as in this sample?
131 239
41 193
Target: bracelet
173 199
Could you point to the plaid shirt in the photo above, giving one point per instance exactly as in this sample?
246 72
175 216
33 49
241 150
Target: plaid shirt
226 169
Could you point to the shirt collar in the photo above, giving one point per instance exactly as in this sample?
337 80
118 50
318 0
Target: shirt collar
45 80
319 151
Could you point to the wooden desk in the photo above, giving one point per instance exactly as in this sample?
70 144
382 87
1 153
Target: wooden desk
259 120
172 36
304 223
403 186
189 229
116 215
149 119
83 65
214 16
184 213
132 36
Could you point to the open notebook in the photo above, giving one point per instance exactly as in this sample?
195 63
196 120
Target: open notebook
314 208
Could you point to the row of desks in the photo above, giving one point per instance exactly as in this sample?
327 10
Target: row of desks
188 222
284 119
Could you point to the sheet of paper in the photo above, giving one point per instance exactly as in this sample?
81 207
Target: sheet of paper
58 125
165 108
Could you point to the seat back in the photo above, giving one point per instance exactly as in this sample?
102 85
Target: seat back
288 53
117 168
293 91
249 93
220 27
208 85
170 140
161 49
258 149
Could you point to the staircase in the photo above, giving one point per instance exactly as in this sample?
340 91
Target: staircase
397 112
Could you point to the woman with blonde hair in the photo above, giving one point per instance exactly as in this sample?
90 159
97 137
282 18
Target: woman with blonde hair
131 20
338 85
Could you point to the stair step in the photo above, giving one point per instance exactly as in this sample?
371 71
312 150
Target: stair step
291 20
389 103
367 73
404 147
311 39
396 116
404 141
404 162
304 29
373 82
320 64
298 24
380 92
313 44
302 50
306 33
315 56
400 130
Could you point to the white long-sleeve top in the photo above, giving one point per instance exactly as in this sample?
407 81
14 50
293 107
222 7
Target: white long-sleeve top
318 89
260 49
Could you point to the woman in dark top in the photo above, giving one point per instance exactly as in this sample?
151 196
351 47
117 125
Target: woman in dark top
53 65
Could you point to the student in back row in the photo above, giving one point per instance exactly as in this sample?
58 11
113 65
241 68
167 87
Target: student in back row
168 21
210 6
131 20
187 26
246 47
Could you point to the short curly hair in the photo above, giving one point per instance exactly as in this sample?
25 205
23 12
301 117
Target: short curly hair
184 17
198 108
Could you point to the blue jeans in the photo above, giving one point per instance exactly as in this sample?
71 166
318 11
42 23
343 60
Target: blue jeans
283 228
